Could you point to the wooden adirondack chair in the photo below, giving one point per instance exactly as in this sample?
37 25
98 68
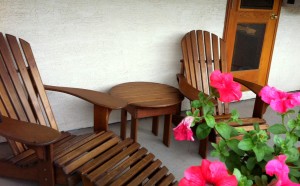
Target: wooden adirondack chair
204 52
41 153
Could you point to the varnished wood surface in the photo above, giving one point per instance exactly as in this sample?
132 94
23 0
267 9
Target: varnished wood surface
95 97
146 94
147 99
42 135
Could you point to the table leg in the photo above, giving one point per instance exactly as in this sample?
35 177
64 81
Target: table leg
123 123
134 127
155 122
167 129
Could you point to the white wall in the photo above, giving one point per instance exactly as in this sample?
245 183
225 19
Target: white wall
96 44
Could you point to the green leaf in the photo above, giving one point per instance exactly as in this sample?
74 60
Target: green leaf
235 115
246 144
233 145
259 153
196 104
256 127
202 97
215 153
202 131
241 130
293 154
294 172
291 123
210 120
189 113
277 129
224 130
208 109
196 113
251 162
237 174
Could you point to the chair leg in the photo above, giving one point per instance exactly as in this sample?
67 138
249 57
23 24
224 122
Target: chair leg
155 122
134 127
203 148
123 123
167 129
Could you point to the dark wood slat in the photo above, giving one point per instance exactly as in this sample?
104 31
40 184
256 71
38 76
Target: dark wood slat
203 64
185 63
38 82
196 61
112 162
145 173
157 176
70 143
216 56
87 168
190 59
118 170
9 87
8 94
137 169
15 80
90 155
167 180
7 106
208 52
16 51
21 156
82 148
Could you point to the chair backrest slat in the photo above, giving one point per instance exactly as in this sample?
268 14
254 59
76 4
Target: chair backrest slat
36 78
26 79
196 59
203 65
22 94
203 53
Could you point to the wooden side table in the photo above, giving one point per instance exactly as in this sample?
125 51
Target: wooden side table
145 99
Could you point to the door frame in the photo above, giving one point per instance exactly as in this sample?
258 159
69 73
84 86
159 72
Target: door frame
231 20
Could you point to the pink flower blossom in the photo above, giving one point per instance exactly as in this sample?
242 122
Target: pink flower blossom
213 173
228 89
183 131
296 99
279 101
268 94
278 168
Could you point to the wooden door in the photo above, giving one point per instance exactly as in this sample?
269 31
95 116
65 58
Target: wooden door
250 30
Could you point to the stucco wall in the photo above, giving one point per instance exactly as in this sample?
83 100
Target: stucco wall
100 43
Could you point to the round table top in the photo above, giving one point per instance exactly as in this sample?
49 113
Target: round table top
147 94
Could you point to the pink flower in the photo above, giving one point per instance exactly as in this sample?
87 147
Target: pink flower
279 101
192 177
278 168
268 94
296 99
214 173
228 89
183 130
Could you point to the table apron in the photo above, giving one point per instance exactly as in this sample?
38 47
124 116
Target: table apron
138 112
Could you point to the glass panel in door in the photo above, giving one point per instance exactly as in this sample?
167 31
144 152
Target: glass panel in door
248 46
257 4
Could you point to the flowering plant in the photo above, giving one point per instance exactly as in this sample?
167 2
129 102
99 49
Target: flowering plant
253 160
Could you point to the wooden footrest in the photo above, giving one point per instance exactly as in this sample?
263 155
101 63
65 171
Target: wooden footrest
104 159
132 165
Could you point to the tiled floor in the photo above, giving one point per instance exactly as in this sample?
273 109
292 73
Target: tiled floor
179 156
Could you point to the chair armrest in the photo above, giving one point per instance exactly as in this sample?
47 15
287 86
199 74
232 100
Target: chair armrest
97 98
28 133
260 106
251 86
187 90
